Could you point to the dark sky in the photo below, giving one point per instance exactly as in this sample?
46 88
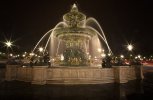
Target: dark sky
123 21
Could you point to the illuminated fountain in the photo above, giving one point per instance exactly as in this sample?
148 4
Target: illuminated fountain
74 41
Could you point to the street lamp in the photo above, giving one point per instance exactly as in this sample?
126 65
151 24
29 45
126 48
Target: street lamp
41 49
8 44
130 47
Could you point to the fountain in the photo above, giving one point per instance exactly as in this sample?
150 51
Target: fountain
76 47
74 41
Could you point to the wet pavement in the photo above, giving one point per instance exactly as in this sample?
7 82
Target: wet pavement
133 90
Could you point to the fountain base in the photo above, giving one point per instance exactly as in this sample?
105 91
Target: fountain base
73 75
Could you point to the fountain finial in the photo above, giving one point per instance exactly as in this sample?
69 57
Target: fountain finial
74 5
74 8
74 18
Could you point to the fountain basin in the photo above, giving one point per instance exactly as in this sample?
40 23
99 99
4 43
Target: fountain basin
73 75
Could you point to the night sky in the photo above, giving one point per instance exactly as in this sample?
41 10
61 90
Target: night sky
123 21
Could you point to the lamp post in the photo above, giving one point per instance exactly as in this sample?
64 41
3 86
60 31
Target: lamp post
130 48
8 44
41 49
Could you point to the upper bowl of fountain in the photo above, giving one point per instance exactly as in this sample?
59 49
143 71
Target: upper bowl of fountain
74 26
74 18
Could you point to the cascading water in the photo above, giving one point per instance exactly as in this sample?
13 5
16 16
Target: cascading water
74 41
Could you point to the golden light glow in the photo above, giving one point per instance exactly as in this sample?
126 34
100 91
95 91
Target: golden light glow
62 57
31 54
122 56
99 50
103 55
